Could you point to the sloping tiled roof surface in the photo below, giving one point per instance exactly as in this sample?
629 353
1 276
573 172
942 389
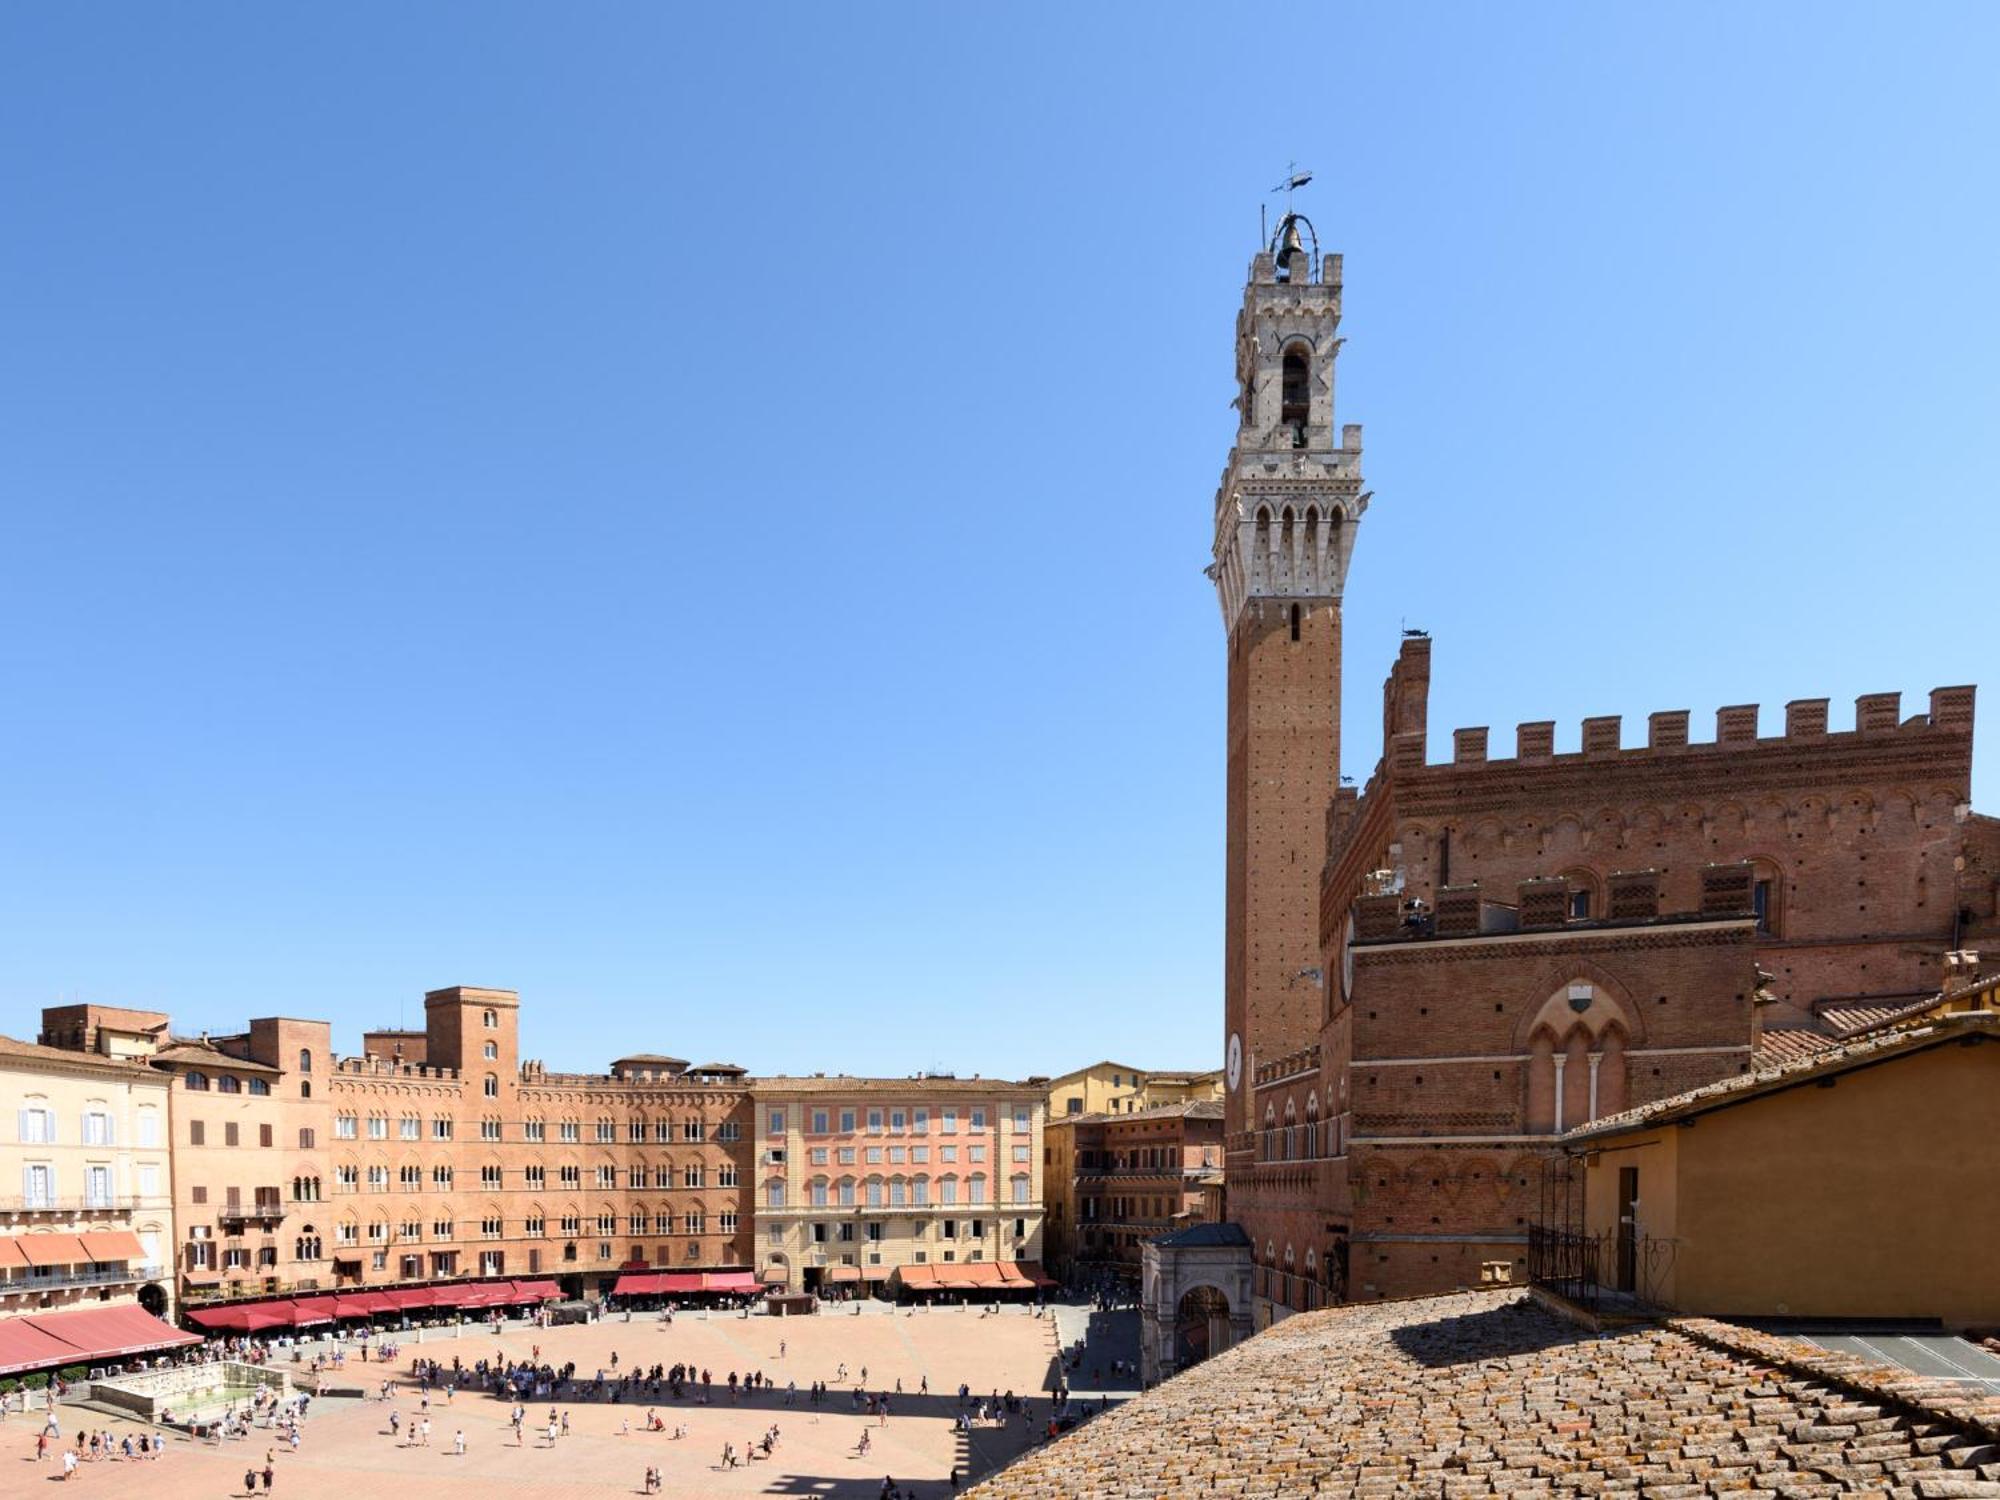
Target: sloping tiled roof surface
912 1087
1789 1044
1783 1073
1489 1394
36 1052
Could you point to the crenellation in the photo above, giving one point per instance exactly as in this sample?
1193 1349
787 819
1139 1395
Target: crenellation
1632 895
1468 746
1805 718
1951 709
1535 740
1726 889
1877 712
1736 724
1667 729
1601 735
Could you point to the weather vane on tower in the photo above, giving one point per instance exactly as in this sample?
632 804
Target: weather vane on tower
1295 178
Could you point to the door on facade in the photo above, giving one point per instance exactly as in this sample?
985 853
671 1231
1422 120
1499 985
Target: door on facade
1628 1229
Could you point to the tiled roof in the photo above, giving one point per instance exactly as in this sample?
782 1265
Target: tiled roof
1485 1394
840 1083
201 1054
36 1052
1872 1047
1780 1045
1852 1017
1189 1109
1205 1236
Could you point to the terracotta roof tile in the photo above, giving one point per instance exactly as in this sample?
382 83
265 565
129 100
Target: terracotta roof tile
1487 1394
1786 1073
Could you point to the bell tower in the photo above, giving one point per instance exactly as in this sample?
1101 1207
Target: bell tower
1285 516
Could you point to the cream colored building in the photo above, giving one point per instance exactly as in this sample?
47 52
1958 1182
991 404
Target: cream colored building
86 1192
1115 1088
858 1177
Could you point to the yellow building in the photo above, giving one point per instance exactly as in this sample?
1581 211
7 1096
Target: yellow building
1855 1183
1114 1088
86 1208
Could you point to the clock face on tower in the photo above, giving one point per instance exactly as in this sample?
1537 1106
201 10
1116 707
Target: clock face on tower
1235 1060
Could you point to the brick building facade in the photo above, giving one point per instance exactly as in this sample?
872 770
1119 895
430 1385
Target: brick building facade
1118 1180
1479 952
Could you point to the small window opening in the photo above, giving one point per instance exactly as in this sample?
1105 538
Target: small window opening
1297 401
1295 622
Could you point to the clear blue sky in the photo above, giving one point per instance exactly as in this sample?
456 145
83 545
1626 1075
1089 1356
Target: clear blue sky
698 514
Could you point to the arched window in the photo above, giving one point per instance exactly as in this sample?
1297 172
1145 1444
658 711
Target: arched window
305 1060
491 1086
492 1051
490 1019
1296 408
305 1089
260 1086
196 1080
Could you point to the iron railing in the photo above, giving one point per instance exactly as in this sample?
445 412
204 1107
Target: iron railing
1615 1271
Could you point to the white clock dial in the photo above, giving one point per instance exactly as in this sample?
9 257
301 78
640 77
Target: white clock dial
1235 1060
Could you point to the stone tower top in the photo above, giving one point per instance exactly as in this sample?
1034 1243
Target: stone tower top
1289 500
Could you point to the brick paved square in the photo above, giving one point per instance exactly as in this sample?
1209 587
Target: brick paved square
348 1450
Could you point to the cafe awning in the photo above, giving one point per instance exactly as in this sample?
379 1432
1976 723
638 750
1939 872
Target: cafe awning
113 1245
308 1311
537 1291
843 1273
53 1250
729 1281
81 1336
636 1284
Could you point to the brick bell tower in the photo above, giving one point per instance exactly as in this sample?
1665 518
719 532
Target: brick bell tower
1285 516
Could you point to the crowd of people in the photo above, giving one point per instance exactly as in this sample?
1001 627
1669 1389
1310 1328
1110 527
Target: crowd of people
643 1386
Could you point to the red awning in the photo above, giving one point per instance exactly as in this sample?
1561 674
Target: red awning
537 1291
23 1346
1035 1275
53 1250
917 1277
637 1284
308 1311
1010 1276
487 1294
982 1273
403 1297
113 1244
11 1254
843 1273
680 1281
361 1304
729 1281
112 1332
876 1273
245 1317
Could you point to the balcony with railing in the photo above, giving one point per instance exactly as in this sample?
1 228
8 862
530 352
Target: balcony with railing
23 1285
266 1209
89 1203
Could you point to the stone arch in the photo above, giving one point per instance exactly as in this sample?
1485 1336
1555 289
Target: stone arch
1610 1000
1201 1323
